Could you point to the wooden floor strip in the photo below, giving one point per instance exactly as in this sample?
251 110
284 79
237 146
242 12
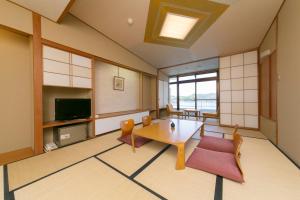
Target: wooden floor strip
219 188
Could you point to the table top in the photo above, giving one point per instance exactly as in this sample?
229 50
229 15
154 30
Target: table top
162 131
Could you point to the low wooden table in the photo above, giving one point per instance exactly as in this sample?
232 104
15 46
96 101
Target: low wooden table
178 136
188 111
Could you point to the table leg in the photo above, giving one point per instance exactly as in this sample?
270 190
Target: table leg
202 130
133 142
180 163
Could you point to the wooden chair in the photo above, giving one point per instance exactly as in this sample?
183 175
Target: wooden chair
210 115
127 127
237 142
147 120
171 111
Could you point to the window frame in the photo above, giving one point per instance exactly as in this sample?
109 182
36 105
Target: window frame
216 78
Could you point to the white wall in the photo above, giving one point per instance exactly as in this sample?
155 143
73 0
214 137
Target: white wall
110 100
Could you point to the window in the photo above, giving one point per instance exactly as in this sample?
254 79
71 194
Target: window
207 96
187 95
185 78
208 75
172 79
194 92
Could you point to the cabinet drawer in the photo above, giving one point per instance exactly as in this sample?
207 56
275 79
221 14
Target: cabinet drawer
81 61
56 54
82 82
56 67
82 71
56 79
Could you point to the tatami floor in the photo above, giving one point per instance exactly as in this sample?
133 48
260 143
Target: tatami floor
104 168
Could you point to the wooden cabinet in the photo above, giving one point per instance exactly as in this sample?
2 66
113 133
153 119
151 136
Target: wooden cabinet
62 68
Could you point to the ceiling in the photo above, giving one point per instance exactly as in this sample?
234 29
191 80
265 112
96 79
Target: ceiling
202 65
241 27
51 9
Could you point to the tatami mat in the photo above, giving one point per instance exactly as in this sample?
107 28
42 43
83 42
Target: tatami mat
268 174
1 183
90 179
228 130
28 170
128 162
162 178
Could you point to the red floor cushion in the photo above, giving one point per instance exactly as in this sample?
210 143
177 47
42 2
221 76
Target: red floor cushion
139 141
219 163
216 144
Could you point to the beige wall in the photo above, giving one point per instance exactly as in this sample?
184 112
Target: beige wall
268 126
288 63
269 42
162 76
15 17
109 100
149 92
73 33
16 86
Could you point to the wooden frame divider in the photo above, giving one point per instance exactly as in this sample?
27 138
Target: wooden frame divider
38 84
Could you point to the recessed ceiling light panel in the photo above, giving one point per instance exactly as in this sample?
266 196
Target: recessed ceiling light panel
177 26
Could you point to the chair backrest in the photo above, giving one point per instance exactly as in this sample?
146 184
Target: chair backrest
237 142
127 127
235 129
146 120
170 107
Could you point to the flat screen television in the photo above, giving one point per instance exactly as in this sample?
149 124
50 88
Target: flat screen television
68 109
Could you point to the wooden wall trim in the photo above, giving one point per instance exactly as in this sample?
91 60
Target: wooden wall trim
93 98
37 84
157 94
16 155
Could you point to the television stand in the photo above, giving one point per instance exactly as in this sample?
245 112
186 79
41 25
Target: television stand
51 124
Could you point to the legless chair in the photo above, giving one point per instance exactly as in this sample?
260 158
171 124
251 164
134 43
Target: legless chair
211 115
171 111
147 120
237 142
127 127
218 144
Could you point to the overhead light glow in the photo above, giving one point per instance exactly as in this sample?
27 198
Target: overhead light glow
177 26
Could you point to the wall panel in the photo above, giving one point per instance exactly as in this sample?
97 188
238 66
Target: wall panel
239 90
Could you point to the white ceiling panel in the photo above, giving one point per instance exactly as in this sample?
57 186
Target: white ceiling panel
241 27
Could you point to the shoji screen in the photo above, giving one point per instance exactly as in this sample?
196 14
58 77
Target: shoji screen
239 90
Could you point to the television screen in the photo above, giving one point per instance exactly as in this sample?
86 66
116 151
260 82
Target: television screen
68 109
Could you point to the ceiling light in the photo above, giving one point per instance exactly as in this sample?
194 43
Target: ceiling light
177 26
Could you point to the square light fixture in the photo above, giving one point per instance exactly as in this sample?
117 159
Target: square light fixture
177 26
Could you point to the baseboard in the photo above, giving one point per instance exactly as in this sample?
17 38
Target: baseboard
246 128
16 155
